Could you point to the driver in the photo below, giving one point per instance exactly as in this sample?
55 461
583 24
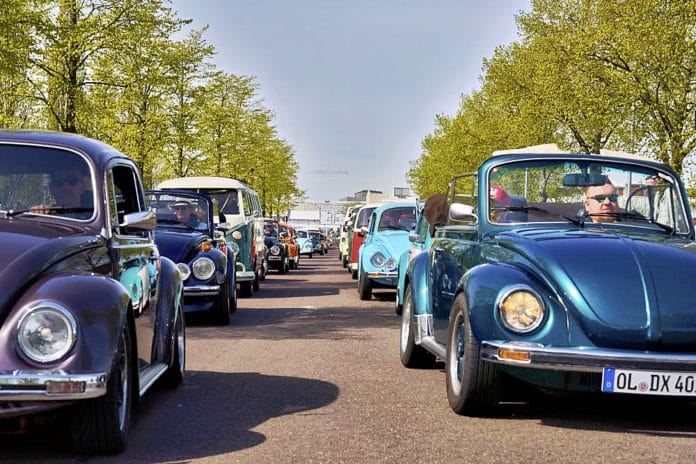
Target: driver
601 202
185 213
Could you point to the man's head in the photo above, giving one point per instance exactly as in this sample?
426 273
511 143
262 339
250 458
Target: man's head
183 210
68 184
600 202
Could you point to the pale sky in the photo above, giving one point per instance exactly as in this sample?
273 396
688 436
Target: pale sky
355 85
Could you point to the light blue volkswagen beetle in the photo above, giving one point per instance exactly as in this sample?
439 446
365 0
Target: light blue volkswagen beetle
386 238
571 272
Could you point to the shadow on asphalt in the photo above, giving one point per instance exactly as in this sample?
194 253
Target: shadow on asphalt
232 404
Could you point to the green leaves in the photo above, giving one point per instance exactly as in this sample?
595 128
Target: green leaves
124 72
586 74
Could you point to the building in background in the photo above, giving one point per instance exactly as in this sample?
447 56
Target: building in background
330 214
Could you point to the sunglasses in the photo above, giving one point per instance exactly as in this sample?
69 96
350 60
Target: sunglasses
600 198
70 180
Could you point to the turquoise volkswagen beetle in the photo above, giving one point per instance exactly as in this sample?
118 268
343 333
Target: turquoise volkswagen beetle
386 238
571 272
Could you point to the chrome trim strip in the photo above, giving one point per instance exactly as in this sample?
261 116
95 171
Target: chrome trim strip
586 359
202 290
383 275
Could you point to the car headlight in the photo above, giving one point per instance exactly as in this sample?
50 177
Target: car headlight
234 247
203 268
390 264
184 270
378 259
47 332
236 235
275 250
521 309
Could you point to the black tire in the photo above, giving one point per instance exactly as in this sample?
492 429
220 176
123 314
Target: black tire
364 288
473 386
174 376
283 267
220 314
412 355
233 296
256 283
100 425
245 289
353 274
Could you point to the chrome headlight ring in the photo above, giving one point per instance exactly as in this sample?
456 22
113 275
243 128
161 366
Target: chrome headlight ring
203 268
275 250
184 270
47 332
520 308
378 259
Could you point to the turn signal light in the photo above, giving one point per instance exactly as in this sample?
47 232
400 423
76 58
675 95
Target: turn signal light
522 356
206 246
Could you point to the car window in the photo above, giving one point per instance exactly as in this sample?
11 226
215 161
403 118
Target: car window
124 197
44 180
402 218
552 190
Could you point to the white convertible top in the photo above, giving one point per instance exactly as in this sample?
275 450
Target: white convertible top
202 182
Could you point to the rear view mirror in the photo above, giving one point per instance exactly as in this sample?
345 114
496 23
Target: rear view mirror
584 180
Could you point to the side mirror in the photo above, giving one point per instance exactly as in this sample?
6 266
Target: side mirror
462 212
141 220
412 237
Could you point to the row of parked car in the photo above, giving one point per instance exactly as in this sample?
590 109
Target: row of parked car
98 275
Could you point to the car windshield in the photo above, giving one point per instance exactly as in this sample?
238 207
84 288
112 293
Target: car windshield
402 218
40 180
301 234
581 191
179 211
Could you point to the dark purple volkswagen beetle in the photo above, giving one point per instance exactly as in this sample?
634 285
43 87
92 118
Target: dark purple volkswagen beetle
90 314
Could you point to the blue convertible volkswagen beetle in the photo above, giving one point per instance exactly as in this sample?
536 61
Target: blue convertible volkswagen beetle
386 238
188 234
571 272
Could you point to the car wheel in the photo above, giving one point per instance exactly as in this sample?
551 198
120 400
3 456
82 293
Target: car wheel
364 288
233 297
283 267
353 274
100 425
174 376
245 289
412 355
221 308
473 386
256 283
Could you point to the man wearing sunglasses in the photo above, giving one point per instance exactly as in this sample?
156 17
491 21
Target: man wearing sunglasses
186 213
70 190
601 203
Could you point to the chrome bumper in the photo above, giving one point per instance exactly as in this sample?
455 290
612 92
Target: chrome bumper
50 386
383 275
245 276
583 359
202 290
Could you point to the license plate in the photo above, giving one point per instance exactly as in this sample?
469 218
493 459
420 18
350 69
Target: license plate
648 382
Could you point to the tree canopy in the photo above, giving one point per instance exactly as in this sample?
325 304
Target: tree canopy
585 74
131 73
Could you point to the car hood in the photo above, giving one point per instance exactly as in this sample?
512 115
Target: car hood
625 291
394 242
29 247
177 246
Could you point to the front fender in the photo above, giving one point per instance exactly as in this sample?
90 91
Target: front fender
401 284
169 307
99 305
482 285
418 277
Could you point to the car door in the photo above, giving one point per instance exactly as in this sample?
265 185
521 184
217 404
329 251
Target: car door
135 256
